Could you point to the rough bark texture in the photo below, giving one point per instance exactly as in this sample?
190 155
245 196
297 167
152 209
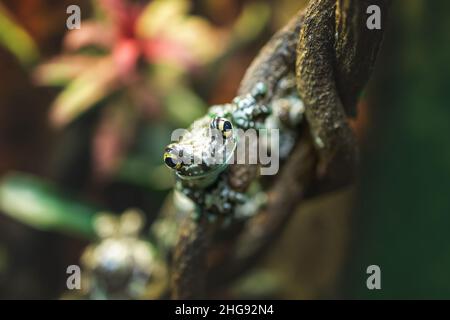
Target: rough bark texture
275 60
356 47
189 260
335 57
325 114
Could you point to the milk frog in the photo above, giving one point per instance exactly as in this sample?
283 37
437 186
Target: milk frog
202 155
122 264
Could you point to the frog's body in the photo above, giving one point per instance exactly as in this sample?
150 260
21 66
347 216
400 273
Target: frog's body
203 178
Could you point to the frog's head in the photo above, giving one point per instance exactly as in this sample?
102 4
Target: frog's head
204 150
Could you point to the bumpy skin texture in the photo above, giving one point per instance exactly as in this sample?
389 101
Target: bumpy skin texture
207 183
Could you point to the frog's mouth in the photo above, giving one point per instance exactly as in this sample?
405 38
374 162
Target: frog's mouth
211 174
206 168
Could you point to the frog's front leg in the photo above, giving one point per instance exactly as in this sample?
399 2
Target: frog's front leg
288 111
250 111
249 120
222 200
217 200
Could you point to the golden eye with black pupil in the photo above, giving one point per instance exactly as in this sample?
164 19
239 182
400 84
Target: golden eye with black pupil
171 158
223 125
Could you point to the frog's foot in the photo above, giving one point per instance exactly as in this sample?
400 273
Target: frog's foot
252 206
289 111
222 199
251 115
219 200
250 124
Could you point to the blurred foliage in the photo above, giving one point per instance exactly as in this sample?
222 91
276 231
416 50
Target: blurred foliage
16 39
43 206
126 33
105 54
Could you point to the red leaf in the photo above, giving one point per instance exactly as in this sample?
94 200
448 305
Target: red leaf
157 50
126 54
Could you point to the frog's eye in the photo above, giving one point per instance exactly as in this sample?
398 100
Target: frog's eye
171 158
223 125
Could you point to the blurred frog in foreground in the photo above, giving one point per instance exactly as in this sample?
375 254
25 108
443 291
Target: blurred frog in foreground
122 265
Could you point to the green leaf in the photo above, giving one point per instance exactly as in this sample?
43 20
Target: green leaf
62 69
251 22
184 106
15 39
89 88
43 206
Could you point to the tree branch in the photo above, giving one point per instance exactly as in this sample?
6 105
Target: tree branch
189 260
356 47
325 114
330 74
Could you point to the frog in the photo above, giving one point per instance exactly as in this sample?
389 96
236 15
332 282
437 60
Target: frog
121 263
214 136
